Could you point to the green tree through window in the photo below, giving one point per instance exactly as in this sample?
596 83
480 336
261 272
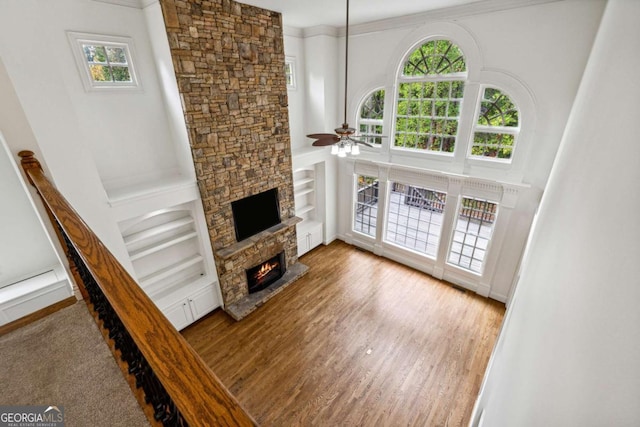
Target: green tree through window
430 92
107 63
370 118
497 126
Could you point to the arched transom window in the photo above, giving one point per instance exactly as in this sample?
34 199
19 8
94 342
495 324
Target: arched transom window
497 126
370 117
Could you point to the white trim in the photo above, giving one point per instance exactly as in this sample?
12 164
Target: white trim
137 4
76 40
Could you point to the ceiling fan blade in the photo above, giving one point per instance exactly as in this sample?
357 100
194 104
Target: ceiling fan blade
325 141
361 142
369 135
324 135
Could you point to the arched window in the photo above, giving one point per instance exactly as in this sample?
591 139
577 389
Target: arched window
497 126
370 117
430 91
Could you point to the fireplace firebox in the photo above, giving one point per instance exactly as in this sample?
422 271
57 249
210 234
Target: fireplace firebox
265 273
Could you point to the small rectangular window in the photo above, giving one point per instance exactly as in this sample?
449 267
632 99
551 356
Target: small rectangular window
104 62
414 220
366 205
289 72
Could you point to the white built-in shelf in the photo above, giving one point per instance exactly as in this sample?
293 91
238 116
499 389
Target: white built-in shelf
170 270
304 192
304 209
157 230
302 181
164 244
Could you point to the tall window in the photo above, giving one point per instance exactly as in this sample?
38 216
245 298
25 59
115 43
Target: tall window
290 72
497 126
414 219
366 205
474 228
430 92
370 117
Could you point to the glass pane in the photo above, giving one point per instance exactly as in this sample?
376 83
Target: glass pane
421 112
414 220
498 145
497 109
366 205
433 58
94 53
373 106
121 74
100 73
474 228
116 55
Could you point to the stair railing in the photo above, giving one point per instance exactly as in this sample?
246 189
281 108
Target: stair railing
178 387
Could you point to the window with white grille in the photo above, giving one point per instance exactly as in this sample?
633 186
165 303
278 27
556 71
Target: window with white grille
430 91
497 126
472 234
370 117
105 62
290 72
414 218
366 205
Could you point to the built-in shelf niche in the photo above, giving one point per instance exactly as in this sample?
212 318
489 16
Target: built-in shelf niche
309 231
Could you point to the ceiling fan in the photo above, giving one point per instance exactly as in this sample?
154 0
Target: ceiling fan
342 141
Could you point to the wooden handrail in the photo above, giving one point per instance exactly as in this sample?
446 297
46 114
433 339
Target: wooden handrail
199 396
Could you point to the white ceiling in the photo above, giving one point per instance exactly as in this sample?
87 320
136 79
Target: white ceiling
310 13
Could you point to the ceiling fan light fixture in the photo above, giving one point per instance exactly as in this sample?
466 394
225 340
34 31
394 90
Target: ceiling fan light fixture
342 141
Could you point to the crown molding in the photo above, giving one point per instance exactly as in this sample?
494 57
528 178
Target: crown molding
448 13
136 4
320 30
292 31
418 19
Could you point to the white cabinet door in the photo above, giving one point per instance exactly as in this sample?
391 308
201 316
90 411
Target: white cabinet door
315 236
303 244
203 301
179 314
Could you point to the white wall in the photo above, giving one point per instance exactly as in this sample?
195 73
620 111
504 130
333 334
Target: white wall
544 47
91 144
126 133
569 352
537 53
25 249
294 49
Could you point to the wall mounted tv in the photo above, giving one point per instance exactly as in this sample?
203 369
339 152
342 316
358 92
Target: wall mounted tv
256 213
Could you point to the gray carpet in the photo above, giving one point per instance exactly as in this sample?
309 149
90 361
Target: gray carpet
63 360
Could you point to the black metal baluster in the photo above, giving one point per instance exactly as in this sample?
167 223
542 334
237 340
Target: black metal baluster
164 408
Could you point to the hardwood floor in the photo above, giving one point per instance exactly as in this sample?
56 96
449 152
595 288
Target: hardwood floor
359 341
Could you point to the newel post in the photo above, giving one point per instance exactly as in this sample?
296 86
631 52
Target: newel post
31 165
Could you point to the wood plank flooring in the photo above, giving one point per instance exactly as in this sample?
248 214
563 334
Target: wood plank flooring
359 341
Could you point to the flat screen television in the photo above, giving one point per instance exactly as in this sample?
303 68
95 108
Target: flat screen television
256 213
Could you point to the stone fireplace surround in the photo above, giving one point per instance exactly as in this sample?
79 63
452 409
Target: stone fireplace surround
229 59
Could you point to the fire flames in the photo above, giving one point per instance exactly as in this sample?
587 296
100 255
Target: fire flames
265 269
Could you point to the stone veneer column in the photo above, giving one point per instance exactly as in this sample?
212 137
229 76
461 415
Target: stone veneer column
229 62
